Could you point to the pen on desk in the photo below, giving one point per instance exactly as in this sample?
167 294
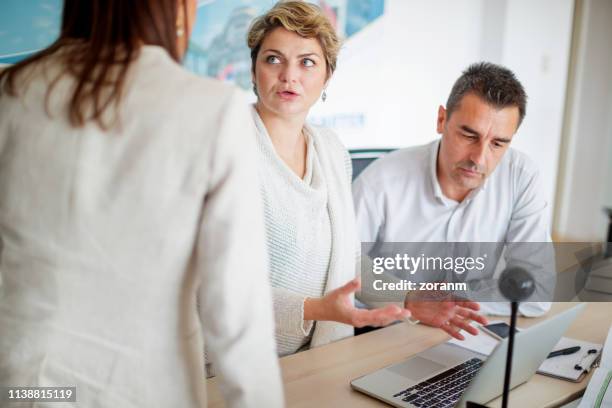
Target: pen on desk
564 352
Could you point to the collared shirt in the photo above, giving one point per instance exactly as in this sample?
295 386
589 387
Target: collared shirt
398 199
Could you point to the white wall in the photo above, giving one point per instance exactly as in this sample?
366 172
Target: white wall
587 172
397 71
393 75
608 180
536 47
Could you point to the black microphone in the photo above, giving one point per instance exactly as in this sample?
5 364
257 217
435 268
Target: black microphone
516 284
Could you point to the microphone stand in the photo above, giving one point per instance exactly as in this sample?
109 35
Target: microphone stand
508 373
515 284
514 306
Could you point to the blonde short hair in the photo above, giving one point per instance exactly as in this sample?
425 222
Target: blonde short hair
302 18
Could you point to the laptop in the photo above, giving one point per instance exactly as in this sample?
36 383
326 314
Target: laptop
449 376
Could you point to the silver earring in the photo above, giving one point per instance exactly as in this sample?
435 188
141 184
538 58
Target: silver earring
180 31
324 96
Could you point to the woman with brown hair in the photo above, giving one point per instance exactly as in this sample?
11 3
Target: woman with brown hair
306 186
126 190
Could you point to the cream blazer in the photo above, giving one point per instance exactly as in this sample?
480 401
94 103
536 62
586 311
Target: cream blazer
108 237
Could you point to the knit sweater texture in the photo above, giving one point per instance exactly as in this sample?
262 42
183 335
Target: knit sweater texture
311 234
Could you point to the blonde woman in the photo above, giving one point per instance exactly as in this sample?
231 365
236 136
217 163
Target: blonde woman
121 200
306 176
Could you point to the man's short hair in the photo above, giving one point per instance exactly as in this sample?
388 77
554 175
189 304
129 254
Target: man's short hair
493 83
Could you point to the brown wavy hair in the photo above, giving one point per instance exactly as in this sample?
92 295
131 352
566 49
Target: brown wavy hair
98 40
304 19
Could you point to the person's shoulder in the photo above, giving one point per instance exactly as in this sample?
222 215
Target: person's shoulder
170 78
195 88
517 172
327 142
519 163
328 138
213 88
413 155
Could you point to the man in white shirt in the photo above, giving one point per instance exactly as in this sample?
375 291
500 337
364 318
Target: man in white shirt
468 186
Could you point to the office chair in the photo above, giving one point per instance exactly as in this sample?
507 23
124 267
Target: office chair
362 158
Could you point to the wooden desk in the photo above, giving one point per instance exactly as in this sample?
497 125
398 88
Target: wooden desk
321 377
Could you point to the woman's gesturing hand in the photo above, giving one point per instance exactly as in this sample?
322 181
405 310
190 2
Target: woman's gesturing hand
338 306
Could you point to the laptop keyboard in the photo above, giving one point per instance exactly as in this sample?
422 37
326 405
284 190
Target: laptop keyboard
443 390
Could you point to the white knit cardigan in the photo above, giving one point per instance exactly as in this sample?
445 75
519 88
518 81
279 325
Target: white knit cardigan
337 172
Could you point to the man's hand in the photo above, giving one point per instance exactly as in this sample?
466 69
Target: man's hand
448 314
338 306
